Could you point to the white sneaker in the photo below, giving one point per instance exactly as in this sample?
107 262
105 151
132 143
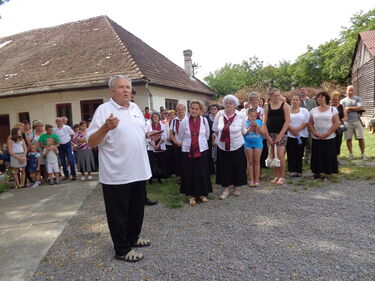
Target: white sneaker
351 157
83 178
363 157
35 184
89 177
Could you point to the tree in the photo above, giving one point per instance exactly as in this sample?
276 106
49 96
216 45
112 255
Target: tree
3 2
232 77
329 62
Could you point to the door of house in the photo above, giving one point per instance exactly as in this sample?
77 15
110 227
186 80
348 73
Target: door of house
88 108
170 104
4 128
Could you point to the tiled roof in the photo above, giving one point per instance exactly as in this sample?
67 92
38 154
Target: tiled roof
368 38
84 54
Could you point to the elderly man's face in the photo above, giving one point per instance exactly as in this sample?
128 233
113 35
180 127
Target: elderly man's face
59 122
121 91
350 90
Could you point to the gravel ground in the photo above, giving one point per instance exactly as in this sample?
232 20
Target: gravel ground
268 233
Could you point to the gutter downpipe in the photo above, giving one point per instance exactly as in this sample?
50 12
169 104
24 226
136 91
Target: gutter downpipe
150 97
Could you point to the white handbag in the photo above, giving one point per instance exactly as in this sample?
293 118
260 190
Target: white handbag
272 162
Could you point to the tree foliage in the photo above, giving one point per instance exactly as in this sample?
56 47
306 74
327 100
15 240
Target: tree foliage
329 62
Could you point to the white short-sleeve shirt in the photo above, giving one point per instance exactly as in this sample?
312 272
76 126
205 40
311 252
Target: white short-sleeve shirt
235 130
323 121
122 153
297 119
64 134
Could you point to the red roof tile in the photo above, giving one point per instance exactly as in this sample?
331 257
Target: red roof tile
368 38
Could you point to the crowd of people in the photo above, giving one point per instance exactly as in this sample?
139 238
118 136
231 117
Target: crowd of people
192 143
41 153
236 143
195 143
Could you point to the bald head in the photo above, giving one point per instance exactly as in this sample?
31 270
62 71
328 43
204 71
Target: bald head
350 90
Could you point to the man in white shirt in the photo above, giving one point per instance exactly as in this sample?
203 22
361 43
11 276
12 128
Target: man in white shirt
65 134
118 129
245 108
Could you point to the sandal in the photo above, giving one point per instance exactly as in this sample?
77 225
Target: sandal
256 184
236 193
142 243
281 181
132 256
274 180
224 195
204 199
251 183
192 201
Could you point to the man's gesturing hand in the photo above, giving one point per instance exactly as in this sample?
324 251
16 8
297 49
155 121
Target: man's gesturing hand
111 122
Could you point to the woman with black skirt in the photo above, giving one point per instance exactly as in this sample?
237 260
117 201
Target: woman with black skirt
231 161
193 134
297 136
324 121
335 101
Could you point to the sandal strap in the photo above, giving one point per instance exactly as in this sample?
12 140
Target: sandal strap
133 256
142 242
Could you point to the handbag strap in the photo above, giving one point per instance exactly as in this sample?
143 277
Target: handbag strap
276 152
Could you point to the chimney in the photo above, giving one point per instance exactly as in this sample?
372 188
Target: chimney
188 62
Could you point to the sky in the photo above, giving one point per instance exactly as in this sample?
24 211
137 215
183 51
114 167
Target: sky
217 32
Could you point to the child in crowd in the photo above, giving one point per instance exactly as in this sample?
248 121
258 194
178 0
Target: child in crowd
33 164
253 146
51 152
4 158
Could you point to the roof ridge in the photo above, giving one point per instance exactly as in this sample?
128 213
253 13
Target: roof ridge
125 48
54 26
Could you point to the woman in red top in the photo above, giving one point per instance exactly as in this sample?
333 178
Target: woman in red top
193 134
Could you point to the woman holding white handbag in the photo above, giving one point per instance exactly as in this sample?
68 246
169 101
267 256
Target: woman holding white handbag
277 117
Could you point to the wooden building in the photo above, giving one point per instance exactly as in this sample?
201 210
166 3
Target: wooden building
363 71
64 71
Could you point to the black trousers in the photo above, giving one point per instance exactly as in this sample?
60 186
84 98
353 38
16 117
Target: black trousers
295 154
124 205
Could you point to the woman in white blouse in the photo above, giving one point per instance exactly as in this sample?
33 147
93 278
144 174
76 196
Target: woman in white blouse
231 161
193 134
324 120
156 148
297 136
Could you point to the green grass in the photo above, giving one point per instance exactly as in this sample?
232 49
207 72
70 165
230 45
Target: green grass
167 193
4 187
356 169
5 182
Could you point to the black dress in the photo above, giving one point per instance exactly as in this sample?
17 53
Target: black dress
195 176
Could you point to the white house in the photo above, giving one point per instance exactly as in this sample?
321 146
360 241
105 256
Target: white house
64 70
